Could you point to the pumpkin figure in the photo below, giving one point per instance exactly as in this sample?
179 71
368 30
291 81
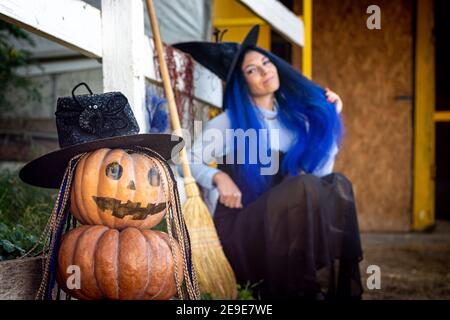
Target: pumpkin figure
118 189
127 264
118 195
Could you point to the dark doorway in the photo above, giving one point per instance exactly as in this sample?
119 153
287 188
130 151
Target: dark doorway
442 33
278 45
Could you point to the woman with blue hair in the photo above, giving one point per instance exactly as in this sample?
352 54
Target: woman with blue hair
285 220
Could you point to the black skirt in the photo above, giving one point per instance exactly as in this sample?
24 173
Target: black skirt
298 240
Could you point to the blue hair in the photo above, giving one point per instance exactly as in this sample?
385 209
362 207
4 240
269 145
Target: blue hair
302 108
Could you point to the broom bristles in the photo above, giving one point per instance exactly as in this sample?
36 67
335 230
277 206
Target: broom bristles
214 273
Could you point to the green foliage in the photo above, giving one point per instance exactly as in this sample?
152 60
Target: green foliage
24 211
15 241
10 59
245 293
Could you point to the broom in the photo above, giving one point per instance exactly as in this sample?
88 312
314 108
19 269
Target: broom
214 273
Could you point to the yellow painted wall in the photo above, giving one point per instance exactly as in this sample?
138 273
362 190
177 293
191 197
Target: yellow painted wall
232 15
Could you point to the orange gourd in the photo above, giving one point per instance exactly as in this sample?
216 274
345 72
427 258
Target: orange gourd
113 264
119 189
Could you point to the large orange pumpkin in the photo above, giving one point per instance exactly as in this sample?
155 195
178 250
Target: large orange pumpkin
127 264
118 189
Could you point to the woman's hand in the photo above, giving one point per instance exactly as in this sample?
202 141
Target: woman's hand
230 195
334 98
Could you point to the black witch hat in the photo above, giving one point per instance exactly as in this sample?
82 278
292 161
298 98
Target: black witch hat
220 58
90 122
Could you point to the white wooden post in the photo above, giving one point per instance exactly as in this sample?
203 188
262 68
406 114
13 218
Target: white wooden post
123 50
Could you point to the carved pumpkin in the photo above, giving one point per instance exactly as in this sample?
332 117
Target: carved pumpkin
118 189
127 264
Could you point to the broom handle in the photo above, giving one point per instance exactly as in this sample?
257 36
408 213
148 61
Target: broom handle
175 121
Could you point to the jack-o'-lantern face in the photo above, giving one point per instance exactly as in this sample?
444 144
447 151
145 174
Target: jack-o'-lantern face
119 189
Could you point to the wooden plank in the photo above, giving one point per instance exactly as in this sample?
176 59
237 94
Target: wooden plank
207 87
307 49
279 17
424 155
58 67
442 116
122 34
72 23
238 22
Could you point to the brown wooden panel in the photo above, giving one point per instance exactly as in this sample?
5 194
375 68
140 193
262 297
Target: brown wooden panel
372 72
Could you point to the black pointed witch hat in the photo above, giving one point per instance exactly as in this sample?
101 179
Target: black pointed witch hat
220 58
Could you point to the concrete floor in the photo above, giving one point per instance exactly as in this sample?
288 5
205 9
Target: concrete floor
412 265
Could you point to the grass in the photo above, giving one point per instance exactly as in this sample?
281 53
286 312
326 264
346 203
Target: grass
24 211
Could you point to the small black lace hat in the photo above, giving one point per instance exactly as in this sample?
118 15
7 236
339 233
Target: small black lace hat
90 122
